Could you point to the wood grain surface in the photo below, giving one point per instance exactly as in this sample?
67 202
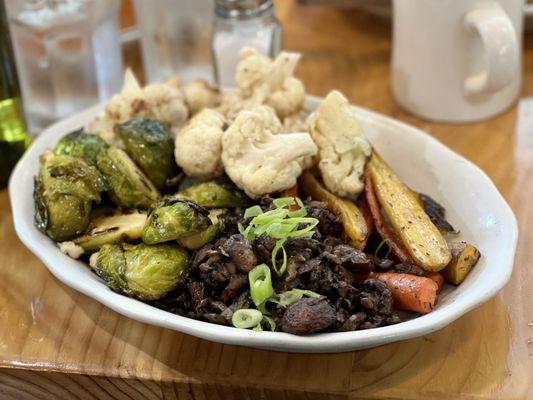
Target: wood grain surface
57 343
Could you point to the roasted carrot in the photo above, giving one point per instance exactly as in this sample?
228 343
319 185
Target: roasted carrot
381 225
408 220
354 223
410 292
367 215
437 278
291 192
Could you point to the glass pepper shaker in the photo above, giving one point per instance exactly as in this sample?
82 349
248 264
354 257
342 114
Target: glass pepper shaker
240 23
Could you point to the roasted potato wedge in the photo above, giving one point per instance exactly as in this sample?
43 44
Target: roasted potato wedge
419 235
352 218
464 257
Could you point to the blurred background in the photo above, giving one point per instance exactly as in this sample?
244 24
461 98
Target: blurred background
72 54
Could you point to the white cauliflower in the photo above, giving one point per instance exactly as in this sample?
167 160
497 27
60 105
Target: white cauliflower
294 123
265 81
343 148
71 249
162 101
259 158
199 95
199 145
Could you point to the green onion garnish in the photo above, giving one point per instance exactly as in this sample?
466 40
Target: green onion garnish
246 318
285 299
260 284
281 224
270 322
266 321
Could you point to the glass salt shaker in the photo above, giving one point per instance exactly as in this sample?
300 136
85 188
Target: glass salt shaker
240 23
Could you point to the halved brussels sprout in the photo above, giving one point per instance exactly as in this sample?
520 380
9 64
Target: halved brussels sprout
149 144
215 195
128 186
63 194
197 240
81 145
174 219
142 271
110 265
112 229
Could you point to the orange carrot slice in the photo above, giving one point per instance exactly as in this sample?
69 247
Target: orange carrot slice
410 292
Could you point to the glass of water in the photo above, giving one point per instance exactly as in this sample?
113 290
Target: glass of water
176 38
68 55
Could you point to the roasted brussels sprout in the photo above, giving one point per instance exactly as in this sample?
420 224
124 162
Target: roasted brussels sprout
128 186
112 229
215 195
142 271
174 219
63 194
81 145
149 144
197 240
110 265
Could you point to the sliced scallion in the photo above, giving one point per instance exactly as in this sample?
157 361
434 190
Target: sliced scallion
246 318
292 296
260 284
281 224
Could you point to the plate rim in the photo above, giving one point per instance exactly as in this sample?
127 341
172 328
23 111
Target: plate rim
318 343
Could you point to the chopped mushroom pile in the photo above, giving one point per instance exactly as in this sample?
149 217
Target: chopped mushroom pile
230 207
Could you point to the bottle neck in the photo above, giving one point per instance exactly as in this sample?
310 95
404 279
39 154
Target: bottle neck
9 85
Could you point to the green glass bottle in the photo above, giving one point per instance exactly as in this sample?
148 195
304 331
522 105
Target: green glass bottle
14 138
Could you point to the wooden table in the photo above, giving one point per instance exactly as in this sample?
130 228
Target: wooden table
57 343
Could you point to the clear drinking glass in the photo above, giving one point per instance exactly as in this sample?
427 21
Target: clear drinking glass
176 38
68 55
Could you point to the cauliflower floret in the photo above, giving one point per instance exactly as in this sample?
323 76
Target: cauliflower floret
199 95
233 102
71 249
343 148
259 158
288 99
265 81
294 123
199 145
161 101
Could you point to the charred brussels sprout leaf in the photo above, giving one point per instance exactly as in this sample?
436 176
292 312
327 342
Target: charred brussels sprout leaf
111 266
215 195
112 229
63 194
153 271
145 272
149 144
128 186
197 240
176 219
81 145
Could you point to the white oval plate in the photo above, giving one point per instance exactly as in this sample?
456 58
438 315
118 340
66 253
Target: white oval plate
473 203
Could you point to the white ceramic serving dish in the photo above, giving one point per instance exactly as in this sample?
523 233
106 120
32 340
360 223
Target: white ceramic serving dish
473 203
